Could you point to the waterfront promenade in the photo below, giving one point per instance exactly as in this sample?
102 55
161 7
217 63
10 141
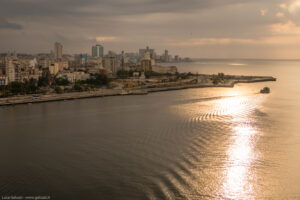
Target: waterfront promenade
28 99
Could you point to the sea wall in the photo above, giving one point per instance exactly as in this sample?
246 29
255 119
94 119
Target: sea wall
28 99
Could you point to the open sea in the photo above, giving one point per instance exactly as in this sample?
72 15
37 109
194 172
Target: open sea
208 143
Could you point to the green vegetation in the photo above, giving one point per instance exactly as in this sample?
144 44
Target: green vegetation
182 76
62 81
35 86
58 90
149 74
19 88
78 87
125 74
96 81
45 80
216 79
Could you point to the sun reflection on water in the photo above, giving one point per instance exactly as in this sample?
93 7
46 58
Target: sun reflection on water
238 170
231 117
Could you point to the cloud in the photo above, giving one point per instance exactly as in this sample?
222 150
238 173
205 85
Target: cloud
211 41
279 15
15 8
288 28
105 38
283 5
185 27
9 25
263 12
294 7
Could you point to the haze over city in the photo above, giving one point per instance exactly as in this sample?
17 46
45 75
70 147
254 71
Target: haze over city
205 29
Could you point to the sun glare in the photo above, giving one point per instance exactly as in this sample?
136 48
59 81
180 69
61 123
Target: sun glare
238 172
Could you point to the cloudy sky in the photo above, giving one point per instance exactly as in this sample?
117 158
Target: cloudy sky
194 28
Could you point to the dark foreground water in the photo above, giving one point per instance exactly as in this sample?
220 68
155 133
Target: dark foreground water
221 143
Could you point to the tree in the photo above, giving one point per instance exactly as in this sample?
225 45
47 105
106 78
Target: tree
216 80
149 74
45 80
58 90
30 86
62 81
97 80
78 87
16 87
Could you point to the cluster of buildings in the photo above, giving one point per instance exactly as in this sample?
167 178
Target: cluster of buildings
22 67
14 69
165 57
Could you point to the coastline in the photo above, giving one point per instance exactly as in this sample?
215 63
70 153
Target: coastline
29 99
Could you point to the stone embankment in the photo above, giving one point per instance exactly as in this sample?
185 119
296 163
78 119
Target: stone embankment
28 99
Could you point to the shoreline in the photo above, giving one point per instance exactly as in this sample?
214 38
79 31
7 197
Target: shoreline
29 99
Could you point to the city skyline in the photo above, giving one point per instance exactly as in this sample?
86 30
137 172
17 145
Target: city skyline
96 51
198 29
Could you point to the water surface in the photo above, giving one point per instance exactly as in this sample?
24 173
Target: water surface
209 143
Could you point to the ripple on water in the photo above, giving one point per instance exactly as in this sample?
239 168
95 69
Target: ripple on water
204 128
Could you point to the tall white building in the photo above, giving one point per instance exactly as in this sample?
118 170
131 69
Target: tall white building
97 51
58 51
10 69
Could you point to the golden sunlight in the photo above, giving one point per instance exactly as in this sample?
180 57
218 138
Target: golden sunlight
238 172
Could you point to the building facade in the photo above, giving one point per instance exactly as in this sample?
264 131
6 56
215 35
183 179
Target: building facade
166 56
111 63
146 65
97 51
54 68
10 69
58 51
81 59
151 52
3 80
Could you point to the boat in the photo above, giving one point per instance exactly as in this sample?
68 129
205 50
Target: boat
265 90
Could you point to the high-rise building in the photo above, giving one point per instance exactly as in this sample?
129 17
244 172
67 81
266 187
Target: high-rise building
10 69
142 52
81 59
58 51
122 61
166 56
111 63
97 51
146 65
146 62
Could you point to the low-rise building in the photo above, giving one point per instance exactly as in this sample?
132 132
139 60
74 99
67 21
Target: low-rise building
44 62
54 68
165 70
146 65
62 65
75 76
3 80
